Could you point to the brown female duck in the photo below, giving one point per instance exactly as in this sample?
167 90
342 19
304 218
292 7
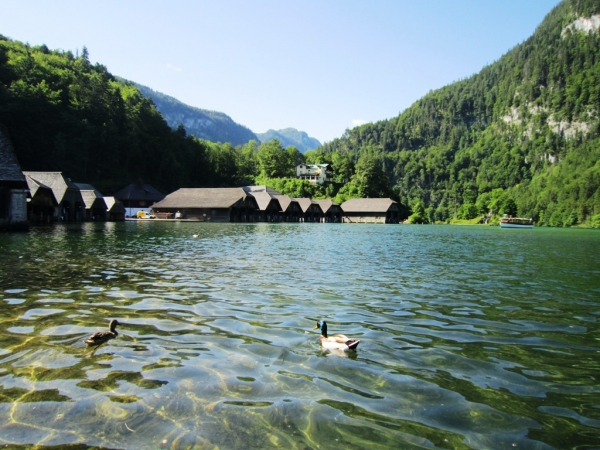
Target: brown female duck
102 336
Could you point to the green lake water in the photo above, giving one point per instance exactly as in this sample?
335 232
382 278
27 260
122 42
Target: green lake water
471 337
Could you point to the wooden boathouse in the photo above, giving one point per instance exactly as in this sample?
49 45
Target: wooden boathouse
114 209
311 211
138 197
71 206
268 207
93 201
13 188
209 205
330 211
42 203
290 208
371 210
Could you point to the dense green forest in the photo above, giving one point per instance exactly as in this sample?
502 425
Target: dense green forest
65 114
521 137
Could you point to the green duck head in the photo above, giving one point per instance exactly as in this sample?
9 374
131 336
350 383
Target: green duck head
323 326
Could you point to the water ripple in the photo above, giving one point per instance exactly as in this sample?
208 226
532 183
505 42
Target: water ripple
471 337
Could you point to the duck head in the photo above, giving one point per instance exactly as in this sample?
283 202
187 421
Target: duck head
113 325
323 326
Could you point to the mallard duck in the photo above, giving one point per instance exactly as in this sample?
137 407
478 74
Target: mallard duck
337 341
102 336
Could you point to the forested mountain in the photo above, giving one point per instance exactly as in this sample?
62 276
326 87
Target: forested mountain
64 114
210 125
290 137
520 137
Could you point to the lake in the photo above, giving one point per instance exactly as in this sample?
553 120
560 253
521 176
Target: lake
471 337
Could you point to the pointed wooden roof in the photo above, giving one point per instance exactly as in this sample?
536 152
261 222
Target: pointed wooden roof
326 204
34 185
203 198
284 201
91 196
10 170
264 199
305 203
139 191
371 205
55 181
113 205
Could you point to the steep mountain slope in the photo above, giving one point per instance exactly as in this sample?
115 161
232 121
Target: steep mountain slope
520 137
210 125
290 137
63 113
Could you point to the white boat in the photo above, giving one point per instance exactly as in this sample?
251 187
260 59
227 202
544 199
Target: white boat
515 222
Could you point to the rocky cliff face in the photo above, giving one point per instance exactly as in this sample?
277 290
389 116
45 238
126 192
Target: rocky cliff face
290 137
204 124
586 24
219 127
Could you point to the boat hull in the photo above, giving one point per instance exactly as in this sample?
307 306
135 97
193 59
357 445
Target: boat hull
514 225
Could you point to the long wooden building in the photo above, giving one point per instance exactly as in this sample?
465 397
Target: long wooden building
371 210
209 205
262 204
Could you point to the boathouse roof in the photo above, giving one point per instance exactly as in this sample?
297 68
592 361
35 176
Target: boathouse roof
326 205
202 198
56 181
90 195
10 170
139 191
113 205
284 201
305 203
264 199
35 185
372 205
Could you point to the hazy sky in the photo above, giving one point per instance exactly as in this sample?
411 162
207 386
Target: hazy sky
320 66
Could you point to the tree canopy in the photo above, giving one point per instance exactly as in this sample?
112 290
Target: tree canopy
521 137
527 125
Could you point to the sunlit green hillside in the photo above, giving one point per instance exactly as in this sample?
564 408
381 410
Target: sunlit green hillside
521 136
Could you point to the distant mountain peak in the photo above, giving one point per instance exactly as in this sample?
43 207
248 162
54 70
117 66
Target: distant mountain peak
291 137
216 126
212 126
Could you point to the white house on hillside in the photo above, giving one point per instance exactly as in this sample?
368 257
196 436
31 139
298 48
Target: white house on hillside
314 173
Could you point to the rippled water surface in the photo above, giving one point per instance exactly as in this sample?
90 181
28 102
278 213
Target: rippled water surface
471 337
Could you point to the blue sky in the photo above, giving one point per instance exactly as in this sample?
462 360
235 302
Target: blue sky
320 66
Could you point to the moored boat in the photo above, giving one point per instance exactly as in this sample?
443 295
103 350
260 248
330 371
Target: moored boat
515 222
